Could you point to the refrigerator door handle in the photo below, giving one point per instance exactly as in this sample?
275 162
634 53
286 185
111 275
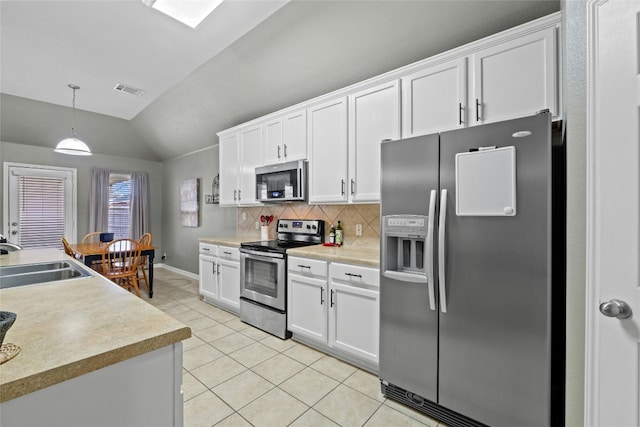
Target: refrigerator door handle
428 254
441 252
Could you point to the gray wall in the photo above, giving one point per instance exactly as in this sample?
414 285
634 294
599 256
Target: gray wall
21 153
574 98
182 242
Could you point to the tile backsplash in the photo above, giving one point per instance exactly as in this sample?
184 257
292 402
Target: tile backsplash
350 215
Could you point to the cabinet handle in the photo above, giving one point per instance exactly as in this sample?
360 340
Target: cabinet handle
477 110
214 267
239 196
304 266
278 151
353 183
234 195
285 150
321 296
331 305
353 275
459 113
226 253
206 249
342 184
218 269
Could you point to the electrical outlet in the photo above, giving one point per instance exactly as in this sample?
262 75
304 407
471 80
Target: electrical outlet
358 229
244 216
164 256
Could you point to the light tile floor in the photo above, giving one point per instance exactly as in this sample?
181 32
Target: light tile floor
237 375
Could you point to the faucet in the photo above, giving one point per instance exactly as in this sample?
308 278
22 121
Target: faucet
6 246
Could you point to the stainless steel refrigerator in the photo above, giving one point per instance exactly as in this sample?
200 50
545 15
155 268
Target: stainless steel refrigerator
472 274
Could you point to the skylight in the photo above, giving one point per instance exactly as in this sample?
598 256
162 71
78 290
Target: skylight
189 12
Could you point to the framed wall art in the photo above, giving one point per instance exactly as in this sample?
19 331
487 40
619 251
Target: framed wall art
190 203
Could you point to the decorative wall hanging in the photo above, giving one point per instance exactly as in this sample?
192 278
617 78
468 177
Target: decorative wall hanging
189 202
214 197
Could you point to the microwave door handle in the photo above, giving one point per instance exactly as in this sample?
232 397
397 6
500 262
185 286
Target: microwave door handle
428 254
441 252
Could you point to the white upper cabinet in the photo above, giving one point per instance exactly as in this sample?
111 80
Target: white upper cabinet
294 145
435 99
272 141
250 140
374 115
229 169
240 154
327 130
284 139
515 78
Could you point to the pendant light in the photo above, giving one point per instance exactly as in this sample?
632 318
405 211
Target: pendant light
73 145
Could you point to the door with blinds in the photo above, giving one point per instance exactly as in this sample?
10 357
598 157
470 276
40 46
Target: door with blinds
40 205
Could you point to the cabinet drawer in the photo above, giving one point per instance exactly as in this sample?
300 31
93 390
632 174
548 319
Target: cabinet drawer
307 267
226 252
208 248
355 275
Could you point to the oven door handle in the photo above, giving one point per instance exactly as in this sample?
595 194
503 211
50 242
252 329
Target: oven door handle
263 255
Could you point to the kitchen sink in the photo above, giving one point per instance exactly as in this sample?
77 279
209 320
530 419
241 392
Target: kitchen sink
31 274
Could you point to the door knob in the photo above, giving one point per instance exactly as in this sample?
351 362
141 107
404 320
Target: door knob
615 308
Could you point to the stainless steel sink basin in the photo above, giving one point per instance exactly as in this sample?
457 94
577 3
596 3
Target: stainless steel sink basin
31 274
32 268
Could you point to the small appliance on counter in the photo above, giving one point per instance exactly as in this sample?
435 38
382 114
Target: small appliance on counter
263 274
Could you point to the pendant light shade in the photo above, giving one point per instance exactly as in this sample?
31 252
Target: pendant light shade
73 145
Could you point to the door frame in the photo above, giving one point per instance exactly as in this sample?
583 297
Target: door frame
593 370
6 194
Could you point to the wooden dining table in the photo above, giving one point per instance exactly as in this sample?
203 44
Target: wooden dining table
91 252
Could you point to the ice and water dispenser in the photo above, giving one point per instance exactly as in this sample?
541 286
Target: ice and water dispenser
405 247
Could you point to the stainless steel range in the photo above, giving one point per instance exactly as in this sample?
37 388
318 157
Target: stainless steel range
263 274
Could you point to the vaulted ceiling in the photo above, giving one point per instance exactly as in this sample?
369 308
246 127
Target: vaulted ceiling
252 58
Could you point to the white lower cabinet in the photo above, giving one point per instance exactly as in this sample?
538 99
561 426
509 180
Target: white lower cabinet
220 276
335 307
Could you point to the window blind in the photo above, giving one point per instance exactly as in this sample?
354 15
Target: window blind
119 205
41 218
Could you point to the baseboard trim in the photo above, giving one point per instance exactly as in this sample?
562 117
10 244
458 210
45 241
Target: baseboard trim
177 270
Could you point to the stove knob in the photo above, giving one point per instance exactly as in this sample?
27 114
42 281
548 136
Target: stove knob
314 227
308 227
281 225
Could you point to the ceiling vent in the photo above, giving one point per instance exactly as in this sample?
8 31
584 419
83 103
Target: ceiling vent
129 89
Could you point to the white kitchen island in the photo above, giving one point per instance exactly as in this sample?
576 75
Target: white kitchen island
91 354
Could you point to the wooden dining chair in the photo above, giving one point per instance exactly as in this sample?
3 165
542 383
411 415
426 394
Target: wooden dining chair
145 240
120 259
93 237
68 250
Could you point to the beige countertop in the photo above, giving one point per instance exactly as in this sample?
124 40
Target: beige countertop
350 254
231 241
72 327
363 255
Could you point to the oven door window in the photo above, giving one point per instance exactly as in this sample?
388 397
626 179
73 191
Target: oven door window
261 277
263 280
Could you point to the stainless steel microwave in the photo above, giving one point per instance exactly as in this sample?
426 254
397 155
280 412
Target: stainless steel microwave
282 182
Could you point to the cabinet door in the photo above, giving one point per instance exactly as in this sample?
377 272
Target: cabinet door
328 157
272 150
250 157
229 169
374 115
354 319
295 136
207 284
515 78
229 284
435 99
307 307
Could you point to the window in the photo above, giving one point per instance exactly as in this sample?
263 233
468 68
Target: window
39 205
119 205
